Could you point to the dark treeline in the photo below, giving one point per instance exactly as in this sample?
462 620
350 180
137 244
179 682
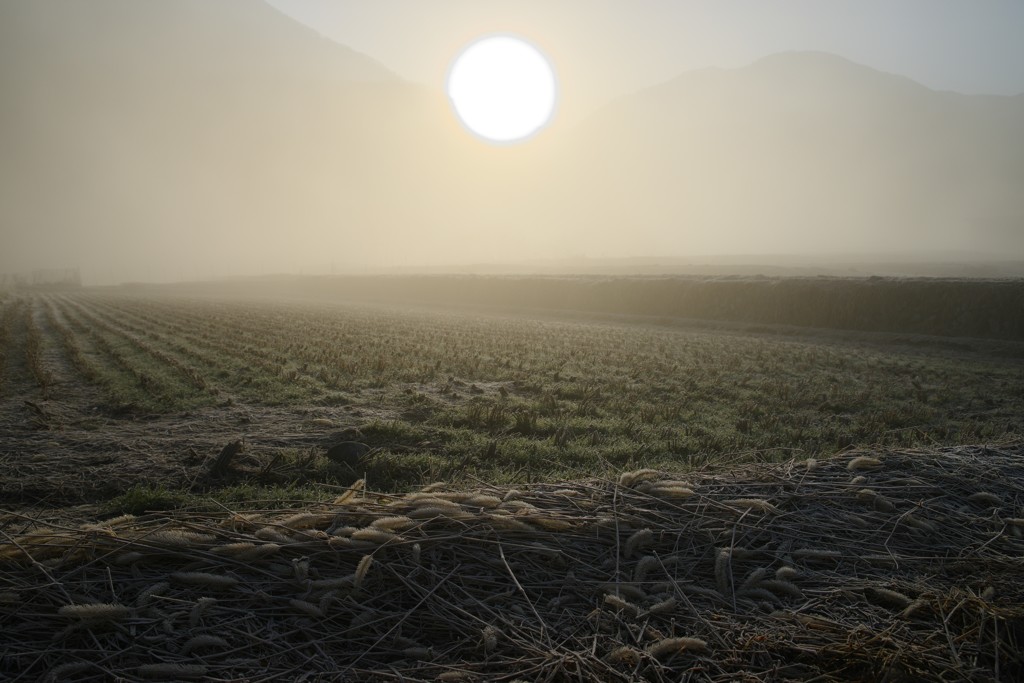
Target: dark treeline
931 306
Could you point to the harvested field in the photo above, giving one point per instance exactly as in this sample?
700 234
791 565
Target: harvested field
954 307
897 564
105 390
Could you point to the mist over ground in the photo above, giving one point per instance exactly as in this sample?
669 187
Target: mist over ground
194 140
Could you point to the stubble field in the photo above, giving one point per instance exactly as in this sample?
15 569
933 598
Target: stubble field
105 393
534 496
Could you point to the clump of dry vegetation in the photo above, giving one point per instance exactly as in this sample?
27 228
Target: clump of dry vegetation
769 572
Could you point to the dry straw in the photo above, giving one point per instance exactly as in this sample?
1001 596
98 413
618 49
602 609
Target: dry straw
782 588
339 582
96 611
758 594
307 608
644 566
723 575
128 558
549 523
631 479
919 524
147 595
393 523
246 550
666 489
483 501
361 570
306 520
670 647
753 504
350 494
509 523
985 498
917 608
203 642
179 538
373 536
812 554
434 501
625 655
576 591
66 671
269 533
171 671
516 505
618 604
204 579
435 511
122 520
638 540
364 618
887 597
629 590
667 606
490 638
199 609
864 462
786 573
876 500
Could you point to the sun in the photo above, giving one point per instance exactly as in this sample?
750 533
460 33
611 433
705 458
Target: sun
502 88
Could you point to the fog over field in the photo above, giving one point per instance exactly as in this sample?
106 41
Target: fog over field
193 140
512 340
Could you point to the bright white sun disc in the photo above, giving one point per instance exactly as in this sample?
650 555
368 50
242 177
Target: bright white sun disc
502 88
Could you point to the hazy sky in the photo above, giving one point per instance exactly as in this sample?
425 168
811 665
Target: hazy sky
604 48
203 138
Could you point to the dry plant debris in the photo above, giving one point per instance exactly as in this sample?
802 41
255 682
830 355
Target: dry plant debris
757 573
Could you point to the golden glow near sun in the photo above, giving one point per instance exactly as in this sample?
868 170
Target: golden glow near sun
502 88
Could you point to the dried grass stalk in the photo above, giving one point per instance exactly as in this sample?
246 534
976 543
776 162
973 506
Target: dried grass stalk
670 647
631 479
204 579
985 498
752 504
639 539
349 494
96 611
887 598
203 642
361 570
864 462
170 671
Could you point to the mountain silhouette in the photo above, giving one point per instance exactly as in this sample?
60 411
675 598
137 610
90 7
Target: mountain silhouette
197 139
184 39
807 149
205 138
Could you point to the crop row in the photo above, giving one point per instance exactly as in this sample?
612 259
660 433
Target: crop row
34 351
575 389
7 311
202 350
513 395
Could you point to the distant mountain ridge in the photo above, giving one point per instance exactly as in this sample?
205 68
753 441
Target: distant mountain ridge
134 131
192 139
800 143
180 38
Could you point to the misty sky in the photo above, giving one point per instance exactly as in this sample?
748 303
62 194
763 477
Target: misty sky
605 48
193 139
